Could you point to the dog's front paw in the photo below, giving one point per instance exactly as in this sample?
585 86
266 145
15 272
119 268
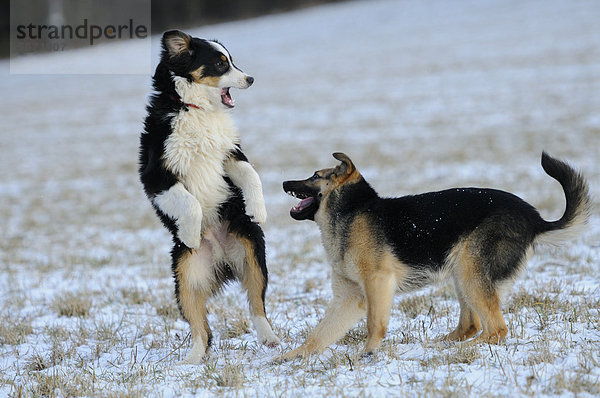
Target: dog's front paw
265 332
257 211
299 352
269 339
190 360
196 354
190 233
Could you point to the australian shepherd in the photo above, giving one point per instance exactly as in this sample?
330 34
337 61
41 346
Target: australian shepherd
201 184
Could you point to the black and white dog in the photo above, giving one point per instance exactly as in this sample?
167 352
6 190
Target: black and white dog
201 184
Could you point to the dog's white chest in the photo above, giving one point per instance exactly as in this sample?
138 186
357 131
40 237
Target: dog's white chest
195 152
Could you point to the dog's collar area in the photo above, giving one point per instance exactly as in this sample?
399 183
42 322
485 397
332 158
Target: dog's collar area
184 103
192 105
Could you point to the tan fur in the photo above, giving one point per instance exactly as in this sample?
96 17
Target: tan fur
483 264
192 300
366 274
252 280
479 301
366 279
198 75
346 308
346 178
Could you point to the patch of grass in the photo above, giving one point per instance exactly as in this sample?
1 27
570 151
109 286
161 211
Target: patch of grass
524 299
459 354
14 331
218 376
415 305
168 310
575 383
72 305
36 362
137 296
56 356
58 384
231 375
542 353
355 336
236 328
464 353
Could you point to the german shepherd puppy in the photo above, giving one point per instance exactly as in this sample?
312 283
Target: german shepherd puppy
481 238
202 186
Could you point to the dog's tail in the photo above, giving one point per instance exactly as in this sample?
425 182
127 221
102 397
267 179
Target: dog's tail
579 202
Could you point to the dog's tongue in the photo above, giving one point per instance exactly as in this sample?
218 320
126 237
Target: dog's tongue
304 203
226 98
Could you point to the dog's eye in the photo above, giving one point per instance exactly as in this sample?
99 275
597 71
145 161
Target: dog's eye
314 177
221 66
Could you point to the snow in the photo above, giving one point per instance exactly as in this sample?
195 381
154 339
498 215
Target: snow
422 95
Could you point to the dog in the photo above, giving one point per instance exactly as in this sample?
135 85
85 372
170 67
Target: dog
201 184
481 238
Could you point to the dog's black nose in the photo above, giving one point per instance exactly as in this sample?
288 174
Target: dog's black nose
250 80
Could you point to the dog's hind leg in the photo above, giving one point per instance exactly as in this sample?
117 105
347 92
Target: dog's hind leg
480 294
193 274
468 323
344 311
254 278
487 305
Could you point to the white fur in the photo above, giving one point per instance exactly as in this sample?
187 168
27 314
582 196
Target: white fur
244 176
572 231
219 47
200 141
263 331
225 248
200 271
234 77
185 209
217 247
194 357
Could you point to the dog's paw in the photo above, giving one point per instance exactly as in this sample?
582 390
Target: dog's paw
257 211
265 332
271 341
197 360
299 352
196 354
190 232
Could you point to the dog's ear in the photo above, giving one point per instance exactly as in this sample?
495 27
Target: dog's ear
346 168
176 42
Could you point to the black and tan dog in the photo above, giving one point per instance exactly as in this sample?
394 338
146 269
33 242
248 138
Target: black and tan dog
481 238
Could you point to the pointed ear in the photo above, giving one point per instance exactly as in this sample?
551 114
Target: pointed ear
176 42
346 168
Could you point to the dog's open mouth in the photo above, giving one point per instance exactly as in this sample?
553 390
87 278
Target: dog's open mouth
303 205
309 202
226 98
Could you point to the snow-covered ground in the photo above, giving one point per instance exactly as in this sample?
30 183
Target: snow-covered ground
423 95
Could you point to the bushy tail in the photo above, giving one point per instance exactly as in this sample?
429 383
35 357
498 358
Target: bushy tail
579 203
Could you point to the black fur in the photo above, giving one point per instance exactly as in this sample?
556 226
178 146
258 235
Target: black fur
163 105
480 238
423 229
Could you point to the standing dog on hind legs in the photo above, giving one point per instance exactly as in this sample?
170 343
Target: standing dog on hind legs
480 237
196 176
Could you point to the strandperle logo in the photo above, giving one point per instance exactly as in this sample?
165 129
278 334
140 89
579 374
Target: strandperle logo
73 37
82 31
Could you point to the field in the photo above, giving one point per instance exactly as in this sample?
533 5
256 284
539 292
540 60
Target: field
423 95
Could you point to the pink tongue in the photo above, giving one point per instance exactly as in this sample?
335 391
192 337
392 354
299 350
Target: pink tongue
303 203
226 98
